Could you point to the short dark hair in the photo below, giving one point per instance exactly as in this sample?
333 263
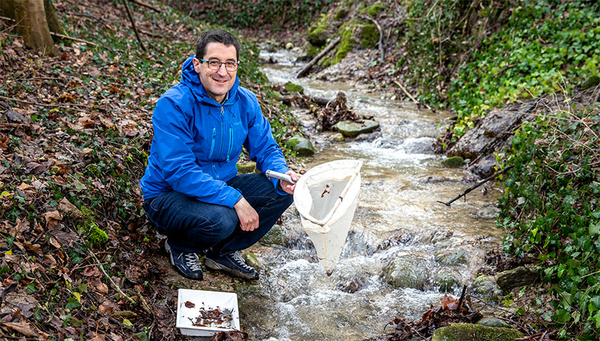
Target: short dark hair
216 36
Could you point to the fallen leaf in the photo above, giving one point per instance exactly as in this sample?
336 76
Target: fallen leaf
23 328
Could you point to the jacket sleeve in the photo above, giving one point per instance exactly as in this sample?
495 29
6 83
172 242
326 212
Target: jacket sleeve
261 146
173 140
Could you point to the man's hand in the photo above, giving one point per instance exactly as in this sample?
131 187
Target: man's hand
247 215
289 187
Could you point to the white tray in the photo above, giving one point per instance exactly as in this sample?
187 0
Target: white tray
208 300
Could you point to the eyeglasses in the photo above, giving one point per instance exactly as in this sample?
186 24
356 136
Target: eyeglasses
215 65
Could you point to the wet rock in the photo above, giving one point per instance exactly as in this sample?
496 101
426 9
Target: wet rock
302 146
454 257
453 162
493 322
274 237
486 287
251 260
247 167
339 137
447 280
515 278
406 273
488 212
352 129
289 46
351 285
467 332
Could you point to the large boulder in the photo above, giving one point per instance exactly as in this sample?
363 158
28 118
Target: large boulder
352 129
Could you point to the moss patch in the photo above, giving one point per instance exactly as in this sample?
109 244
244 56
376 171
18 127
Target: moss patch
374 10
465 331
292 88
368 35
347 43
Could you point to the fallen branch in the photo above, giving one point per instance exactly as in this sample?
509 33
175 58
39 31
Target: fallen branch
381 50
289 99
110 279
137 35
305 69
62 36
143 4
476 185
410 96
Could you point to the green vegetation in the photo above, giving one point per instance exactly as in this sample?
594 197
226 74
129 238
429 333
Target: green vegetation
551 210
270 15
516 51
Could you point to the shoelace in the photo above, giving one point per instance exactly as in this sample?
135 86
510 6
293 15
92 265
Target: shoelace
191 261
237 258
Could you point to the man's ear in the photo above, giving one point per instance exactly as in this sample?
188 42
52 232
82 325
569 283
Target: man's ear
196 63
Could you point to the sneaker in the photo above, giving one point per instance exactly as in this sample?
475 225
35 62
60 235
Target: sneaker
186 263
232 263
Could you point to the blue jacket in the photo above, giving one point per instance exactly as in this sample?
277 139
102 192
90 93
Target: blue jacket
197 141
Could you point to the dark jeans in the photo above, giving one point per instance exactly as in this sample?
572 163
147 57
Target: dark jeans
194 226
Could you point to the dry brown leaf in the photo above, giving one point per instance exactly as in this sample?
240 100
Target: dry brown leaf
23 328
53 218
54 242
91 271
67 207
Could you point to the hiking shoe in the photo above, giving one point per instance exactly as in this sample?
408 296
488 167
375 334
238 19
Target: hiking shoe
186 263
232 263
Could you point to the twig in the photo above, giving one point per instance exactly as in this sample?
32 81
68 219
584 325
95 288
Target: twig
381 50
62 36
477 185
137 35
110 279
462 298
411 96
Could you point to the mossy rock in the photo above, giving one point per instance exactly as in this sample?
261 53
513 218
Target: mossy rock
352 129
246 168
456 257
591 82
302 146
467 332
251 260
292 88
369 36
320 35
454 162
341 14
375 10
346 45
275 236
406 273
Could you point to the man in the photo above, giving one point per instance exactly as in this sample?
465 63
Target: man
192 193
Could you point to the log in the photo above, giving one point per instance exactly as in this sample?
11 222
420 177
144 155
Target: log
305 69
289 99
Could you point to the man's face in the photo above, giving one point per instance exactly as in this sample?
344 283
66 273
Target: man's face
216 82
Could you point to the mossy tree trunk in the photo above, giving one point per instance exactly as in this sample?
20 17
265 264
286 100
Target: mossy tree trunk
34 20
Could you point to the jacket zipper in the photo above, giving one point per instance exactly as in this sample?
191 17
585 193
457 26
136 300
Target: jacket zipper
212 143
230 143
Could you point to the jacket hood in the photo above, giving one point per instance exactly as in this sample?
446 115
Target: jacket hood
190 77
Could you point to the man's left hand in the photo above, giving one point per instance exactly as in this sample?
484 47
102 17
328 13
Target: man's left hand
289 187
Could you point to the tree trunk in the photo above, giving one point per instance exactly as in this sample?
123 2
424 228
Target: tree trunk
30 17
53 23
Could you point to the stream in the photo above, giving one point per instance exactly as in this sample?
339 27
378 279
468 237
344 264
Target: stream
437 248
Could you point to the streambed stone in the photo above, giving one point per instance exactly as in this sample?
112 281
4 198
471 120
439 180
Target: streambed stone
515 278
352 129
406 273
302 146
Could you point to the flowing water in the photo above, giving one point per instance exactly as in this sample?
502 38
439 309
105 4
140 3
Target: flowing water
398 217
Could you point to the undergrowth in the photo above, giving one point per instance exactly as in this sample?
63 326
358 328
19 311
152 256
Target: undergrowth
551 211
